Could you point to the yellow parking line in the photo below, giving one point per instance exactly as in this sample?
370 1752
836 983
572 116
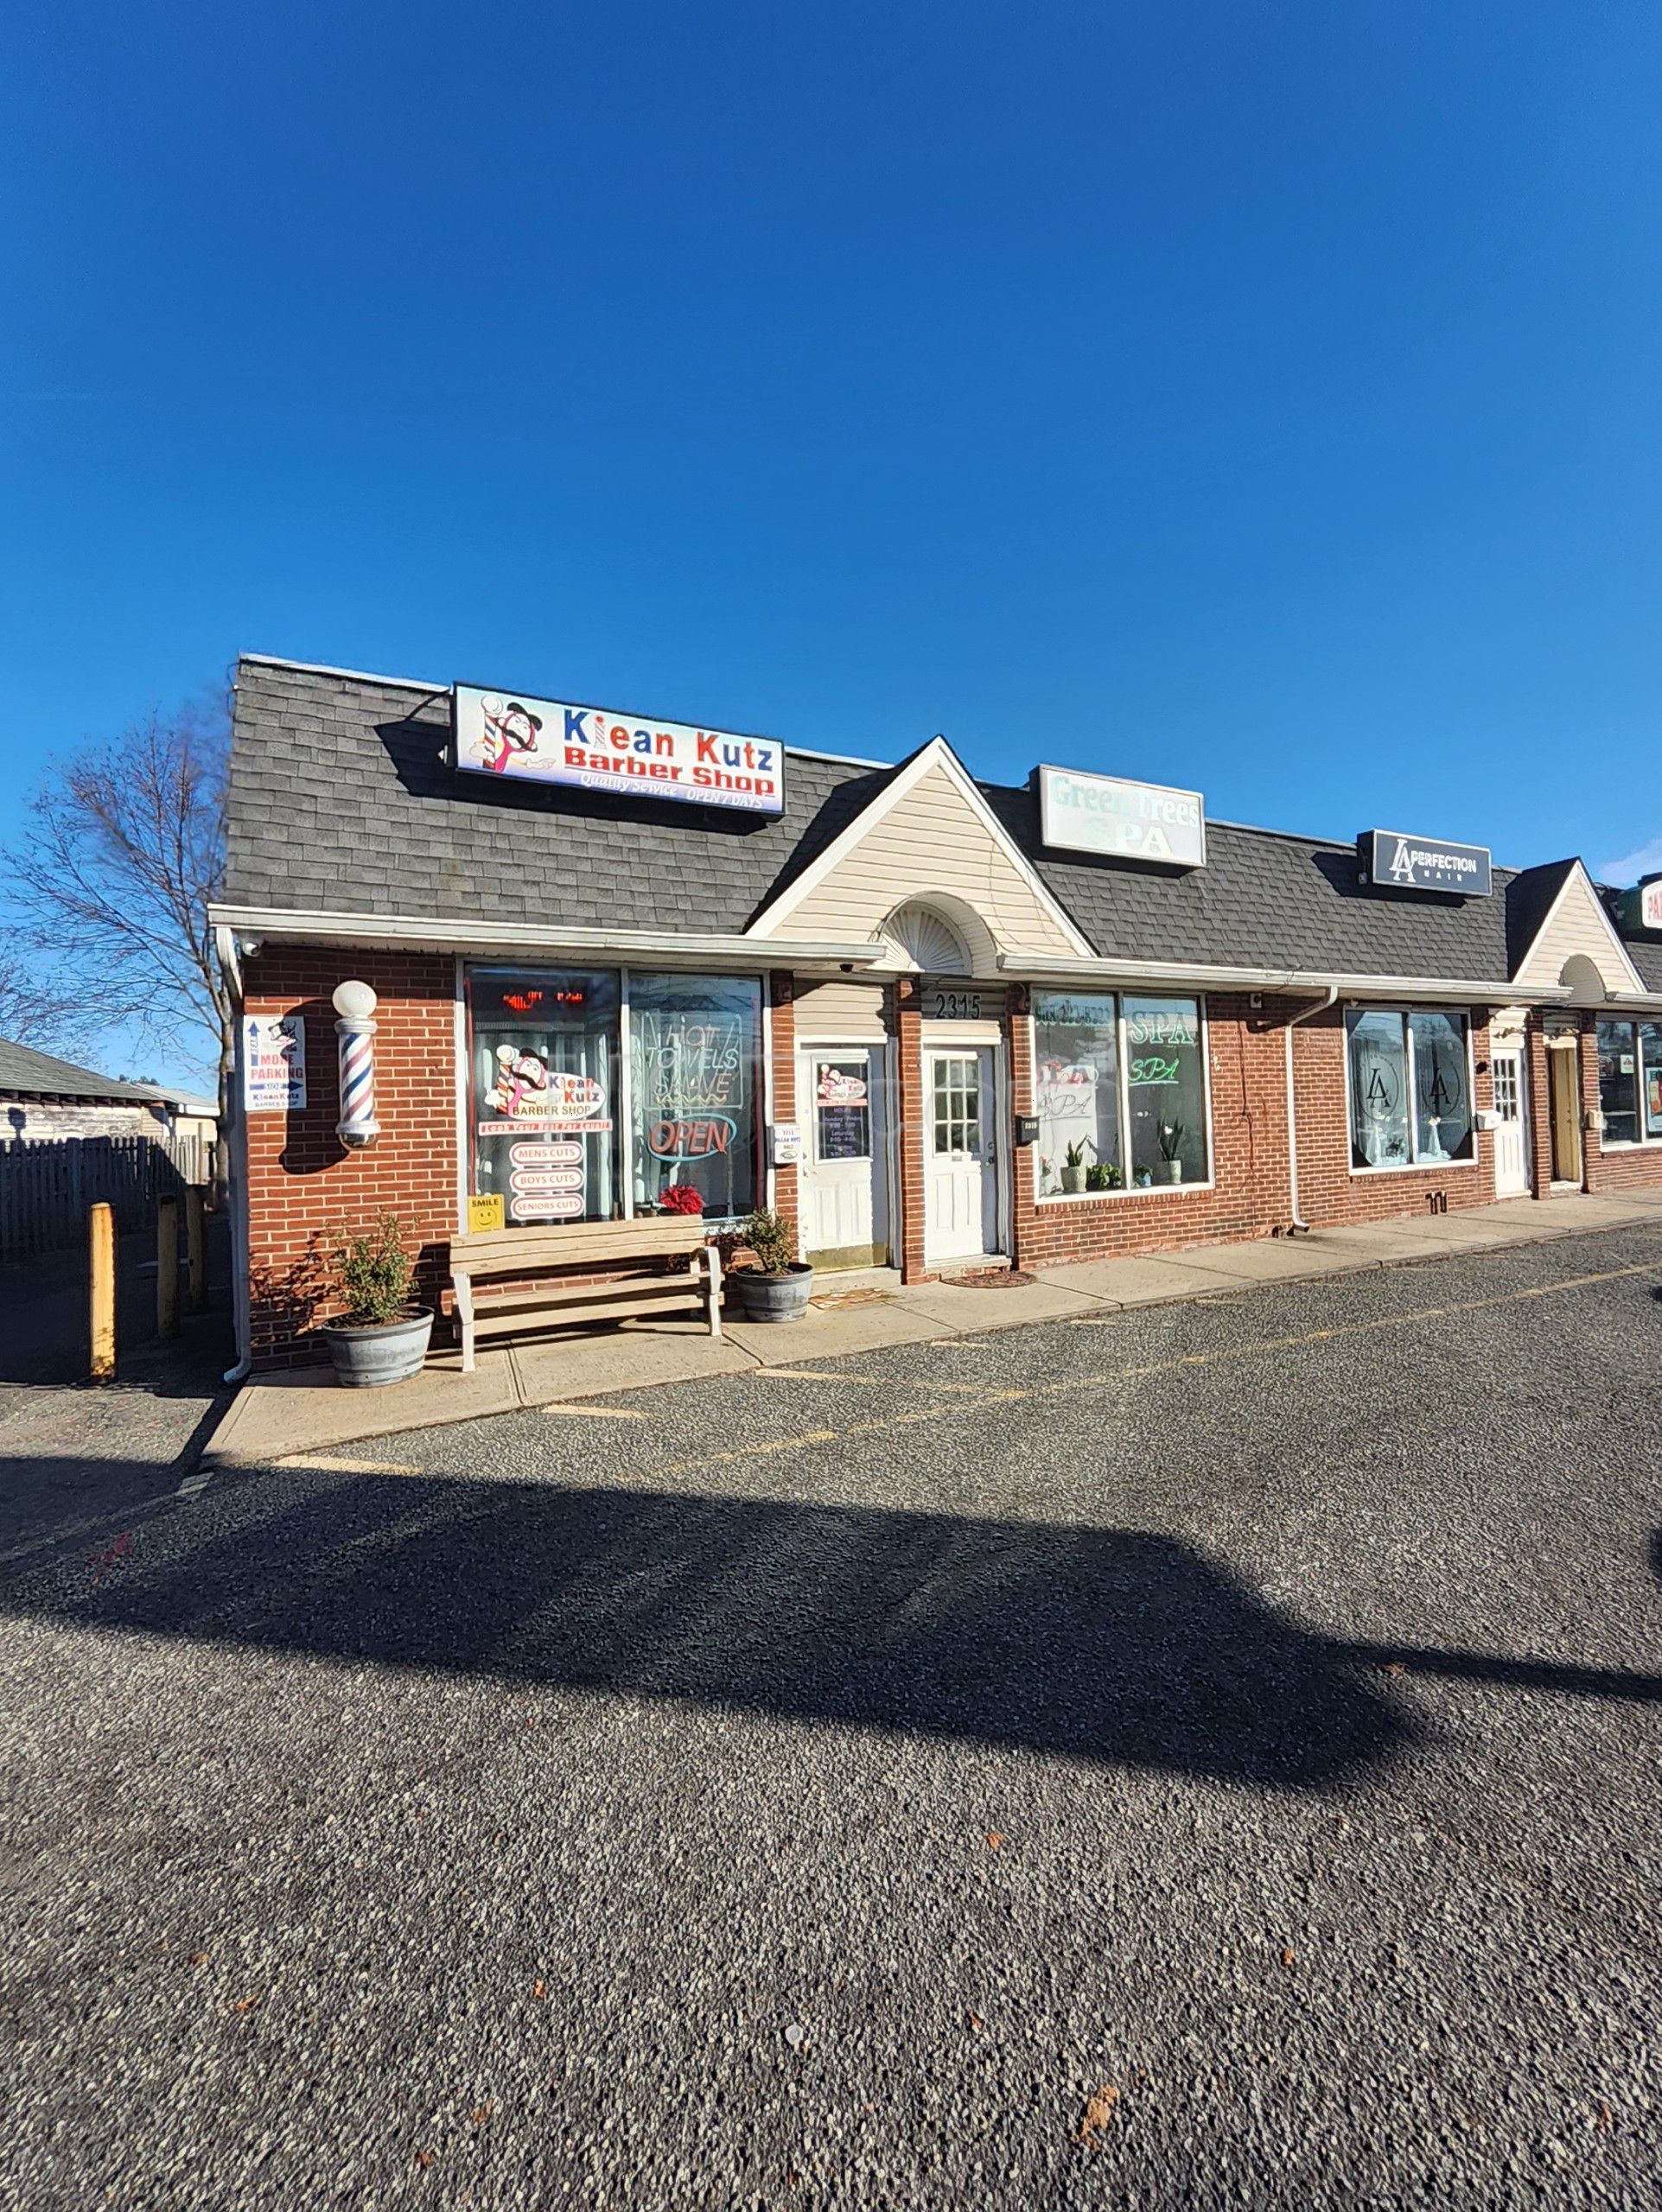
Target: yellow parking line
1077 1382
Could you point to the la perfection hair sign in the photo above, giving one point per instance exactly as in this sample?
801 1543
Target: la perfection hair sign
546 741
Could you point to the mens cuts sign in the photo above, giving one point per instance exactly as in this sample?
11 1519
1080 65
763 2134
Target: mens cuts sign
1125 821
1399 863
546 741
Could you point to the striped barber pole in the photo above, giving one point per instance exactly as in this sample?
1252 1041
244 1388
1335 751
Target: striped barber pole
357 1124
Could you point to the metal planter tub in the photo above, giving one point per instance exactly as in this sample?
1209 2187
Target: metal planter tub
781 1297
368 1359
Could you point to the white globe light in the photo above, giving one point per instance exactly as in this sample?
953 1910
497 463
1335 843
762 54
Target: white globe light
353 1002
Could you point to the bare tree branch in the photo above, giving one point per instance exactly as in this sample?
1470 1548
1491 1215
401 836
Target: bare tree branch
125 847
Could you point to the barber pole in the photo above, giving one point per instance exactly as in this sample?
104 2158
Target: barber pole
355 1004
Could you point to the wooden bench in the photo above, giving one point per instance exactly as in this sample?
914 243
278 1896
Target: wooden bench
504 1257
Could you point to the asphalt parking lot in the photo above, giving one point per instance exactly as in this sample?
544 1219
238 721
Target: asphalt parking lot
1199 1756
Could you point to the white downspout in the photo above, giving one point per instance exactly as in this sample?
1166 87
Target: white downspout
236 1149
1293 1021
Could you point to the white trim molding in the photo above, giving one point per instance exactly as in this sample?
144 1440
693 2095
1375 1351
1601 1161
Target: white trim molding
1295 983
1578 876
936 754
517 941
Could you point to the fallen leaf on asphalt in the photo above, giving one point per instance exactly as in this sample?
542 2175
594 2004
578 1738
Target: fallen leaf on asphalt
1098 2111
1393 1666
994 1839
1289 1955
976 2023
480 2114
247 2003
423 2158
1607 2118
540 1989
199 1958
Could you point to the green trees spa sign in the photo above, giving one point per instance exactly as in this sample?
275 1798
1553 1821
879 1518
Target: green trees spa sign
1121 820
546 741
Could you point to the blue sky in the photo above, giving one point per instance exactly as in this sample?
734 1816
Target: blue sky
1259 399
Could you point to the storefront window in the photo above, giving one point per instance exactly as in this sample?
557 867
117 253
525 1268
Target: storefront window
1442 1106
694 1065
1165 1082
1618 1049
544 1057
1410 1087
1650 1037
1102 1066
1076 1088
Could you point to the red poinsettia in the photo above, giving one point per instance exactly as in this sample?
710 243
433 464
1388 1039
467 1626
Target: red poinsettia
681 1198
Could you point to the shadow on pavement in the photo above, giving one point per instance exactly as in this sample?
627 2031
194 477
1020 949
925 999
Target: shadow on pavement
1100 1645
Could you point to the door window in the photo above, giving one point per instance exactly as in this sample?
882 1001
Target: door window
841 1110
1505 1089
957 1102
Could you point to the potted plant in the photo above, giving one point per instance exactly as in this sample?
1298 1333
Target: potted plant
382 1335
681 1198
1170 1169
1074 1167
777 1287
1102 1175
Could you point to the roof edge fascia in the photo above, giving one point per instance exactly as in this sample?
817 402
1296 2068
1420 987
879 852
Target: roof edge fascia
457 933
1292 982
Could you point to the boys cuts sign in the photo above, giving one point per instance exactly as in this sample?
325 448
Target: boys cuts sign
1122 820
545 742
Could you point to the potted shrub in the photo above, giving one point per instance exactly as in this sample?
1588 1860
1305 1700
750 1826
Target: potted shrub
682 1199
1074 1167
1170 1169
382 1335
777 1287
1102 1175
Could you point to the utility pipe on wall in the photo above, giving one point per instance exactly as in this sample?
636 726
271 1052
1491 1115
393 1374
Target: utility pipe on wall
1293 1021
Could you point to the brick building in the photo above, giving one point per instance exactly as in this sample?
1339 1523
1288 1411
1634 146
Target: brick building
934 1022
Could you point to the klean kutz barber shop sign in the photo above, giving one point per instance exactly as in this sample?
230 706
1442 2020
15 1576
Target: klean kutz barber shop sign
546 741
1396 862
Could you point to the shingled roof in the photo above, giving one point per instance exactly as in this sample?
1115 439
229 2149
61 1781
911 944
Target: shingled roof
342 801
25 1073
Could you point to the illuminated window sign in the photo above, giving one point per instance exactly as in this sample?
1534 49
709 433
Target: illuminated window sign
593 749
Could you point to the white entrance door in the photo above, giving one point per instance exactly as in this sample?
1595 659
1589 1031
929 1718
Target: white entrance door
1512 1131
843 1182
960 1198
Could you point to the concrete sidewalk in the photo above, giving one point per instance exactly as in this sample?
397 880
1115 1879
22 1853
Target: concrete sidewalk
305 1412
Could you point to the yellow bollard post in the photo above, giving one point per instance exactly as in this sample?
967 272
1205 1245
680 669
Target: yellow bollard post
167 1269
101 1292
195 1265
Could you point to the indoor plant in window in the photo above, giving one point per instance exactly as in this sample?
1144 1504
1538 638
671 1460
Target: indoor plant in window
382 1337
1074 1167
1102 1175
1170 1169
777 1287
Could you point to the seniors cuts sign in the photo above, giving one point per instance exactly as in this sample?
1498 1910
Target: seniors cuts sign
545 742
1400 863
1126 821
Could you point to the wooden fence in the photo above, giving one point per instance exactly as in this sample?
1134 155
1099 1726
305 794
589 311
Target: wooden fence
45 1187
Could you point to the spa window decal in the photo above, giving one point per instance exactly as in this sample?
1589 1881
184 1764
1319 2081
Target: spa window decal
1410 1087
1120 1089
